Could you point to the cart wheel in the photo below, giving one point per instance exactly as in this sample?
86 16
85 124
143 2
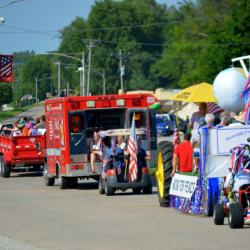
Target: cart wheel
109 191
163 171
4 169
147 189
219 214
136 190
236 215
101 186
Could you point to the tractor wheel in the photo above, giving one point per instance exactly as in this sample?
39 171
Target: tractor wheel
137 190
101 186
163 171
4 169
236 215
147 189
219 214
109 191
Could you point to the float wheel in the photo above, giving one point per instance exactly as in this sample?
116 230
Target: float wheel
163 172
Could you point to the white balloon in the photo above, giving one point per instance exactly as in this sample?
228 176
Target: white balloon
228 87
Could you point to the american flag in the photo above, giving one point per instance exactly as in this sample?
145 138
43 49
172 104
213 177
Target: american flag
213 108
132 150
247 87
246 96
6 68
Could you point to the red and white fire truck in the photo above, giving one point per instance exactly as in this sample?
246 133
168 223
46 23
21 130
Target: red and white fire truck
70 125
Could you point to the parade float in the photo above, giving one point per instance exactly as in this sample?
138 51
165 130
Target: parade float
197 193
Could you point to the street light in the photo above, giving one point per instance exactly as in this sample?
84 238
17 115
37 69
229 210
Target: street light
81 69
2 19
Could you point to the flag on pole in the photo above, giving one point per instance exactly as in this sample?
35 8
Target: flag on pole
213 108
132 150
246 96
6 68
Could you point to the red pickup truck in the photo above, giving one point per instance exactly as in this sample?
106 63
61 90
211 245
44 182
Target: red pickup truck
21 151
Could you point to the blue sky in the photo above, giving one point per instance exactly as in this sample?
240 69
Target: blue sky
40 15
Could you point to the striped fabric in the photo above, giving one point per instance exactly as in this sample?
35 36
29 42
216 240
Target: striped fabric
246 96
132 150
213 108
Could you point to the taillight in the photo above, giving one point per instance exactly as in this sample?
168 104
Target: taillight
76 167
110 172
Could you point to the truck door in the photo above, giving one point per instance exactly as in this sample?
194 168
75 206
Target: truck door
77 137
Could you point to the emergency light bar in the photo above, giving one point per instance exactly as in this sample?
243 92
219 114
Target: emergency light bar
90 104
120 102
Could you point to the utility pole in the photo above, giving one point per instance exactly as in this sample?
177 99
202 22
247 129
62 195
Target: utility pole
90 46
122 70
58 78
82 76
104 82
67 89
36 89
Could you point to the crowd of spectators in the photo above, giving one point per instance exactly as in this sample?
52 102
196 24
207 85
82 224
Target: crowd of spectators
186 154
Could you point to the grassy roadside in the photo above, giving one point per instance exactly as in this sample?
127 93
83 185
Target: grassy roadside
7 114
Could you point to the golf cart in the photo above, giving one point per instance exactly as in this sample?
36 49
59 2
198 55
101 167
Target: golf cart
115 171
235 204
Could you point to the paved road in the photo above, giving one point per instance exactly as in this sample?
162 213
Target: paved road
34 112
50 218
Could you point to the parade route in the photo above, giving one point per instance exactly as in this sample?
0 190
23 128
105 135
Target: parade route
50 218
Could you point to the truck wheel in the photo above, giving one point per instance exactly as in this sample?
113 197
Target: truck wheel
109 191
236 215
147 189
101 186
73 183
63 182
163 171
4 169
219 214
136 190
48 180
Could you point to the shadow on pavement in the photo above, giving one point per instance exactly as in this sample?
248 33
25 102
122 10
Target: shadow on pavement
26 174
87 185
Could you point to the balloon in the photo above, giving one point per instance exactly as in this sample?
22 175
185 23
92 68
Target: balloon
228 87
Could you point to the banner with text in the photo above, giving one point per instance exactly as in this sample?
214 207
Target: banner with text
183 185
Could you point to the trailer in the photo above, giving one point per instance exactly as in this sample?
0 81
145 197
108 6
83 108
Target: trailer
21 152
71 123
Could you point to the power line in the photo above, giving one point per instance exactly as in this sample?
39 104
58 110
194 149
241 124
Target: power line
12 2
30 31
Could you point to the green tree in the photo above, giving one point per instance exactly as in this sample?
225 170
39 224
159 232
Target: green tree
132 26
40 67
5 93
